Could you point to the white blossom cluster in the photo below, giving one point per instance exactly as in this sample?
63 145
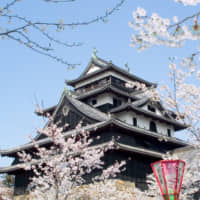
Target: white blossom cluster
155 30
5 193
61 168
185 97
144 91
188 2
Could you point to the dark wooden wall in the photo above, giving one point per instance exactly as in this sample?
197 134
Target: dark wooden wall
132 139
21 182
137 166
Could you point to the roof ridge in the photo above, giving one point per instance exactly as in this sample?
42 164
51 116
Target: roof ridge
89 128
94 61
104 87
109 65
45 140
89 111
101 116
179 124
117 145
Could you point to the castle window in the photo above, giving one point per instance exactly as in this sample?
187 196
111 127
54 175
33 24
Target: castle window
151 108
94 101
116 102
152 126
169 134
134 121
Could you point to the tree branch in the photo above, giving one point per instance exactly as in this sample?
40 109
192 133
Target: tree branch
23 23
184 20
59 1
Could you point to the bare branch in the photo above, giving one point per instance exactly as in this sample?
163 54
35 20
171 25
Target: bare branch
37 50
59 1
23 23
102 18
12 3
184 20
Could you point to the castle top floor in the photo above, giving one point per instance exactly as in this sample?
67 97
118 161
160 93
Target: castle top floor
100 73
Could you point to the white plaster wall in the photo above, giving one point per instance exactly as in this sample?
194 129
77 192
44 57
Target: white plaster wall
100 76
145 107
92 69
143 122
162 128
105 98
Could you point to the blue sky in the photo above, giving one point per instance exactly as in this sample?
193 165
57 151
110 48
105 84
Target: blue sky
27 78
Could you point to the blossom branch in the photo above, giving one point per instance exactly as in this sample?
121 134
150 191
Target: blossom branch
21 24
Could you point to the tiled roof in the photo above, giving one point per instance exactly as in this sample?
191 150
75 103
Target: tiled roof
108 66
45 141
117 145
176 124
139 150
103 89
140 102
87 110
94 127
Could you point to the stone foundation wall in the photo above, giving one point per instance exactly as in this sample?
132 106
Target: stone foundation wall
22 197
96 190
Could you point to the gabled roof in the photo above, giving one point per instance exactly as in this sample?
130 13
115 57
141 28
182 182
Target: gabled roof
83 108
93 127
136 108
87 110
104 67
94 61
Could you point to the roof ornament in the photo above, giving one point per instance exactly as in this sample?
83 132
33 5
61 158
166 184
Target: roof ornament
94 53
127 67
67 91
110 115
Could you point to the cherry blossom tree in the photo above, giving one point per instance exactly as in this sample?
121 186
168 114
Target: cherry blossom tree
60 170
183 95
5 192
184 72
39 35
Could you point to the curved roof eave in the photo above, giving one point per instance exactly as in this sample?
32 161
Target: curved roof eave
93 127
110 66
177 125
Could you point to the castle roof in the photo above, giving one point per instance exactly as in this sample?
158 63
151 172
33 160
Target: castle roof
117 146
106 66
106 88
135 107
83 108
98 121
94 127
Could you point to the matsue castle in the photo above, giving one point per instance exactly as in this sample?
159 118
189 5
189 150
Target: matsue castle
107 108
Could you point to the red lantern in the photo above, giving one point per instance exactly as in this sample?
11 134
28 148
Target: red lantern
169 175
